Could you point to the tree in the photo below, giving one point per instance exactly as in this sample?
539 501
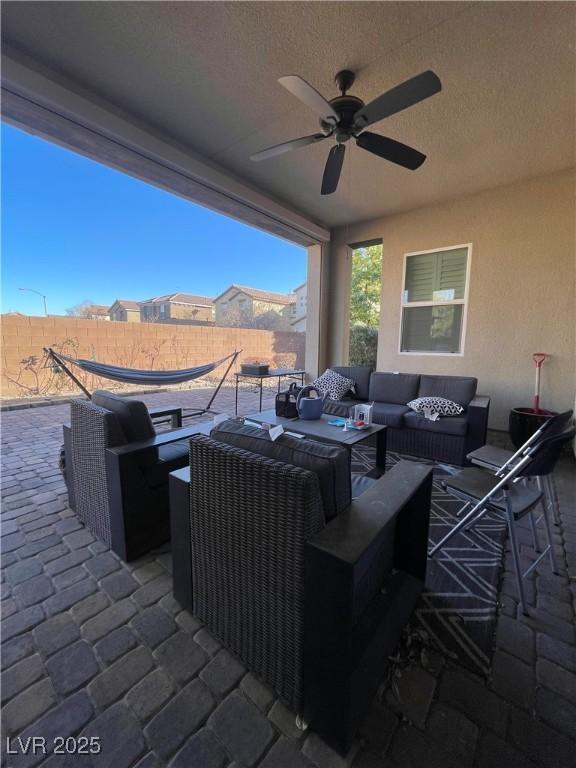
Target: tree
270 320
365 305
81 310
363 345
365 288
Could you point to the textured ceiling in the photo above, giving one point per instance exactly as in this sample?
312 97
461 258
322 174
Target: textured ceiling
206 74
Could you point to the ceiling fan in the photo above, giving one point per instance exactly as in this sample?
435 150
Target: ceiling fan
346 117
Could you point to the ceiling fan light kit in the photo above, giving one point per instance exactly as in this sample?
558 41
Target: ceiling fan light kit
345 117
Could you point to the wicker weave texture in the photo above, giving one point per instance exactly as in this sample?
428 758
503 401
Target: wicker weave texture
92 432
250 520
427 445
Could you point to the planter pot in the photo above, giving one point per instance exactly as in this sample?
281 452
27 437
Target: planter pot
255 369
523 422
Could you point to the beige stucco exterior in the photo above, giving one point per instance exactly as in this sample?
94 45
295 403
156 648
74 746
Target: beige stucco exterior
171 310
234 306
521 292
120 313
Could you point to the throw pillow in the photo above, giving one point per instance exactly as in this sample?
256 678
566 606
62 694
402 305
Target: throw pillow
335 384
435 405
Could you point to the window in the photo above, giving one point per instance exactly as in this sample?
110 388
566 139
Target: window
434 301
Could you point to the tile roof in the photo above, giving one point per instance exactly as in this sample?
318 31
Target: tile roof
98 309
256 293
180 298
126 304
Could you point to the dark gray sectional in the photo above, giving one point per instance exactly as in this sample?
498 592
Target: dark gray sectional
449 439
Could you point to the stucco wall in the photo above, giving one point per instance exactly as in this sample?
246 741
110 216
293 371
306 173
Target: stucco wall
187 312
522 290
229 303
121 315
136 345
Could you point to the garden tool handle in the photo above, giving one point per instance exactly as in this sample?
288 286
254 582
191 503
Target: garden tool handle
538 358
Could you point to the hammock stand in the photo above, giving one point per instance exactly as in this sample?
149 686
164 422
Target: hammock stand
135 376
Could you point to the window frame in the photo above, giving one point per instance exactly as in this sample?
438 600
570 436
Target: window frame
463 301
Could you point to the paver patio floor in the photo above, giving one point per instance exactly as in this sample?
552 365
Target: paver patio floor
95 647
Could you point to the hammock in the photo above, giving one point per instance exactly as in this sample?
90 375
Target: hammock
136 376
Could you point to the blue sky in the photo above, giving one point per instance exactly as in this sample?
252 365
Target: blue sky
73 230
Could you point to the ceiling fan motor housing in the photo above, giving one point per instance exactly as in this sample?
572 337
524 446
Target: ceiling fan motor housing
346 107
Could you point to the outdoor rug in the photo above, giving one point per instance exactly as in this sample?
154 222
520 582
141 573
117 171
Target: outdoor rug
459 606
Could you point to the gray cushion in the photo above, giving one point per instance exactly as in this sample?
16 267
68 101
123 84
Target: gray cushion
397 388
132 415
445 425
390 414
331 463
459 389
175 452
361 484
169 457
360 375
134 420
339 407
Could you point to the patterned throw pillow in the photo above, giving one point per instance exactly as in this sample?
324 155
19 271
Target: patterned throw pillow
333 383
435 405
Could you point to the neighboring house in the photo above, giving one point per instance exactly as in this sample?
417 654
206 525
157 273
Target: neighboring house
300 294
176 306
299 324
97 312
125 311
240 304
289 312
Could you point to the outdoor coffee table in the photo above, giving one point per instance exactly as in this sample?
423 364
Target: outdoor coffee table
320 429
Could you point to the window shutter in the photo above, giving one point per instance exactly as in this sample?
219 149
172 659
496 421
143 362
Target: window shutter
451 272
420 277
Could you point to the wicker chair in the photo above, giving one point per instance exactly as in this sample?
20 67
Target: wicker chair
312 608
116 471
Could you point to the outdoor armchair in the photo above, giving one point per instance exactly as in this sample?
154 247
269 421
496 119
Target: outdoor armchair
313 608
117 471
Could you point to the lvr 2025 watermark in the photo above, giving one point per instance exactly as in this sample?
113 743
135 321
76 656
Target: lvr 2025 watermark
59 745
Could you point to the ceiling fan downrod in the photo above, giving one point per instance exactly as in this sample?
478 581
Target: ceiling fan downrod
344 80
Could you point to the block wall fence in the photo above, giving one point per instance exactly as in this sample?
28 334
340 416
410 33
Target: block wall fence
133 345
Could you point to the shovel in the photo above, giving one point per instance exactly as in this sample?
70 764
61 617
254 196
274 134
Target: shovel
538 358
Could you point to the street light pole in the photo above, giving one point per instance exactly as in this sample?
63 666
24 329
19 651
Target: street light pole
32 290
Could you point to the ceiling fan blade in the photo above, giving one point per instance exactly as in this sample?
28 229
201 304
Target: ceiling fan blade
332 169
391 150
309 96
286 146
406 94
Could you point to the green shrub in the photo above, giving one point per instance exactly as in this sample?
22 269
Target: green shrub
363 345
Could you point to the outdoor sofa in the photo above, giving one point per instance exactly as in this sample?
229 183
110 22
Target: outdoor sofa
309 588
449 439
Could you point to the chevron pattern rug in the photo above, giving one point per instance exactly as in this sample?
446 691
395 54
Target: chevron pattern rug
459 606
